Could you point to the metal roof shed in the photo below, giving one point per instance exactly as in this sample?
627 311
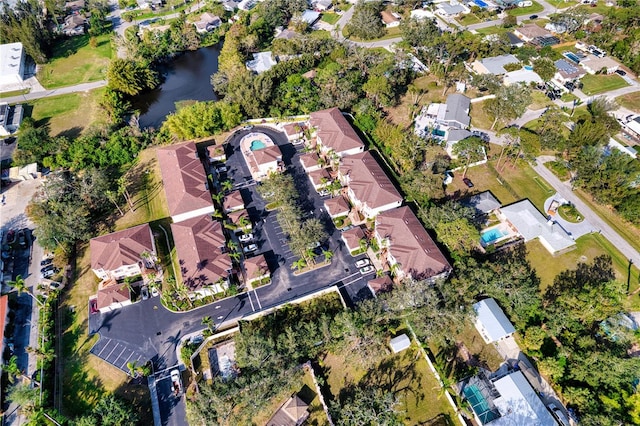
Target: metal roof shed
400 343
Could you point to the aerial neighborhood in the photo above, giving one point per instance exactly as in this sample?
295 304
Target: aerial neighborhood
320 212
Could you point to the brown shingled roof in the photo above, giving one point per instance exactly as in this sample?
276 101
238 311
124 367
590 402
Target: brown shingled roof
368 181
198 244
337 205
310 159
410 244
184 178
111 251
233 201
116 293
317 175
255 267
268 155
352 238
380 284
334 130
293 128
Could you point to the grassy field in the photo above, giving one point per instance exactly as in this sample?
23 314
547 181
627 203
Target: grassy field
487 355
390 33
631 101
468 19
67 114
330 18
587 248
539 100
407 374
595 84
74 61
497 29
561 4
521 11
479 118
14 93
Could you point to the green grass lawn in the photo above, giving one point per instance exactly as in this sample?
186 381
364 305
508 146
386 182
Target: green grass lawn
568 97
587 248
479 118
521 11
561 4
330 18
74 61
631 101
14 93
390 33
67 114
539 100
595 84
559 169
468 19
497 29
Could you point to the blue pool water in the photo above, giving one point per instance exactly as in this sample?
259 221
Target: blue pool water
479 404
491 235
528 67
480 3
572 56
256 145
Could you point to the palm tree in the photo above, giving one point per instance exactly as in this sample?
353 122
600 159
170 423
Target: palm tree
122 189
232 245
218 197
364 244
21 287
299 264
227 185
112 197
235 256
133 368
243 222
12 369
208 322
328 254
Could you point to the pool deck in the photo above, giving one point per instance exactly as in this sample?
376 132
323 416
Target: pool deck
248 153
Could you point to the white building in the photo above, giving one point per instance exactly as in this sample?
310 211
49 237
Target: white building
12 59
491 322
262 61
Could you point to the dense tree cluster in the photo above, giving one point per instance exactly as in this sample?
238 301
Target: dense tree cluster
109 411
26 22
366 22
202 119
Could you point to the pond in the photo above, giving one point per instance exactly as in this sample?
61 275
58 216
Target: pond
186 78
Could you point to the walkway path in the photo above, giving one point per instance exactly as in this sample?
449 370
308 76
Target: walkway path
565 190
55 92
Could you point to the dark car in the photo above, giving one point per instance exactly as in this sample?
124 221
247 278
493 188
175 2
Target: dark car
22 238
93 306
468 182
533 17
46 262
621 73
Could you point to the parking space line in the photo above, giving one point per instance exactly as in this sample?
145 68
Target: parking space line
107 342
114 348
118 357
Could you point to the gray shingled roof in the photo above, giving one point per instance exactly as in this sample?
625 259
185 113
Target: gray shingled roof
458 109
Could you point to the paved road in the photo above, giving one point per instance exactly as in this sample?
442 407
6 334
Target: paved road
55 92
565 190
547 10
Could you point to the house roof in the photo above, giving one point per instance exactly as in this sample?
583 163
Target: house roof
532 31
451 9
11 58
199 242
262 61
255 266
493 319
310 16
215 151
233 201
410 244
310 159
519 403
513 39
380 284
74 20
287 34
209 18
4 309
352 237
115 293
458 109
522 76
267 155
388 18
531 224
495 65
325 3
456 135
184 178
111 251
567 69
483 202
596 64
316 176
336 205
369 183
236 215
291 413
400 343
334 130
293 128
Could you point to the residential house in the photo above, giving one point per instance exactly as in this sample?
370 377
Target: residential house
352 238
233 201
240 218
122 254
256 269
208 22
522 76
634 125
261 62
216 153
556 28
508 400
593 64
439 121
407 247
629 150
294 131
336 206
10 118
514 41
310 17
320 179
74 25
204 262
247 4
322 5
112 295
333 133
230 5
390 19
185 181
293 412
484 203
12 59
369 188
400 343
74 6
268 160
381 284
566 71
530 224
286 34
451 9
494 65
310 162
452 137
530 32
491 322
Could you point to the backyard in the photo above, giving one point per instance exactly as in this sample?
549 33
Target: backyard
595 84
631 101
521 11
68 114
479 117
75 61
330 18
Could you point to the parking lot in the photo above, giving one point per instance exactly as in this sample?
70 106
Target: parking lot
118 353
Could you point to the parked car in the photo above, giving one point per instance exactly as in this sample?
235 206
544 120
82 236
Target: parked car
298 142
48 271
621 73
54 285
245 238
155 292
533 17
362 263
11 236
22 239
248 127
93 306
46 261
222 169
175 382
314 245
144 291
250 248
560 417
468 182
367 270
324 193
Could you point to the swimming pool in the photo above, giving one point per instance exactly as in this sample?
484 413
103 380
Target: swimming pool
528 67
491 235
572 57
480 3
256 145
479 404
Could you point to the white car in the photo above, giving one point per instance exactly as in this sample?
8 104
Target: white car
367 270
176 382
560 417
362 263
250 248
245 238
222 169
155 292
